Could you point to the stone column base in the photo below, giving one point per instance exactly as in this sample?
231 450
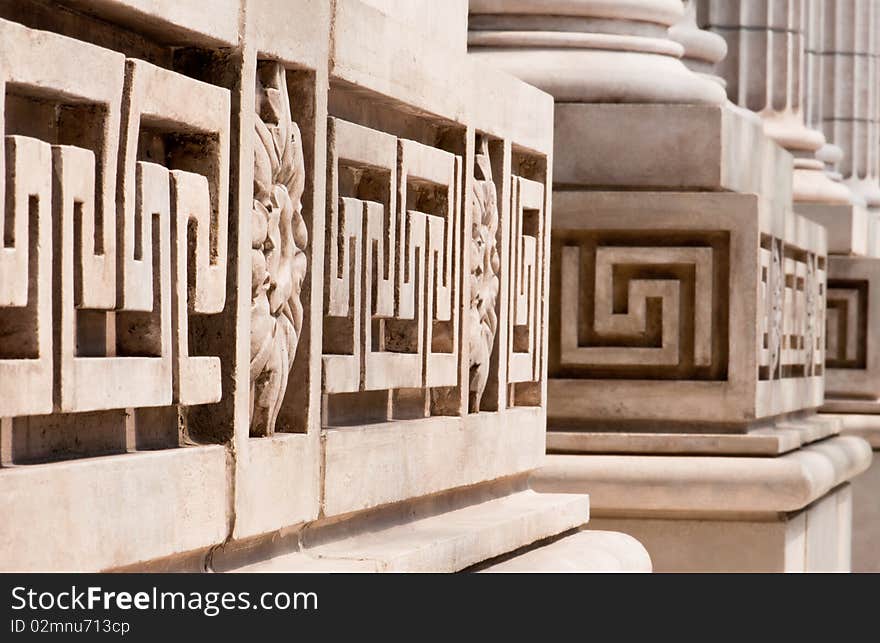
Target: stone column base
816 539
791 512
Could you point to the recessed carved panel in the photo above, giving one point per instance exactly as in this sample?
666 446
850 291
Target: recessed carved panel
644 306
847 324
852 355
701 301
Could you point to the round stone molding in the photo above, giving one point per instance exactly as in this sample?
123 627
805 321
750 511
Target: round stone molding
595 51
702 49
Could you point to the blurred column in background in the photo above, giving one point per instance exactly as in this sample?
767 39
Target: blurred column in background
687 296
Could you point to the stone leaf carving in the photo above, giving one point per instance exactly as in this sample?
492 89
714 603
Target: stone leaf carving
279 239
485 266
811 331
777 294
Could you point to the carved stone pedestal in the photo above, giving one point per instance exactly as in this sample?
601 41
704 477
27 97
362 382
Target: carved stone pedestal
687 296
742 513
862 419
688 339
677 310
853 384
846 50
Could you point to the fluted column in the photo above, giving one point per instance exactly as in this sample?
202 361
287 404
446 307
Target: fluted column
590 51
765 70
851 109
815 82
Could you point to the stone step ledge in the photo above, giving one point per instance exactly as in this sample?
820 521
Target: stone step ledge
445 542
585 551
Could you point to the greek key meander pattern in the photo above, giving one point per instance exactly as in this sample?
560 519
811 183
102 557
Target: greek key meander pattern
847 324
656 306
405 247
527 266
394 253
114 250
110 206
791 337
646 311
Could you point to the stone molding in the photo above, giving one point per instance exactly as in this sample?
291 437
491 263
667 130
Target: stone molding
590 51
701 486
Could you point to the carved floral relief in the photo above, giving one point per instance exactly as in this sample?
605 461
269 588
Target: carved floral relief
279 240
485 267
